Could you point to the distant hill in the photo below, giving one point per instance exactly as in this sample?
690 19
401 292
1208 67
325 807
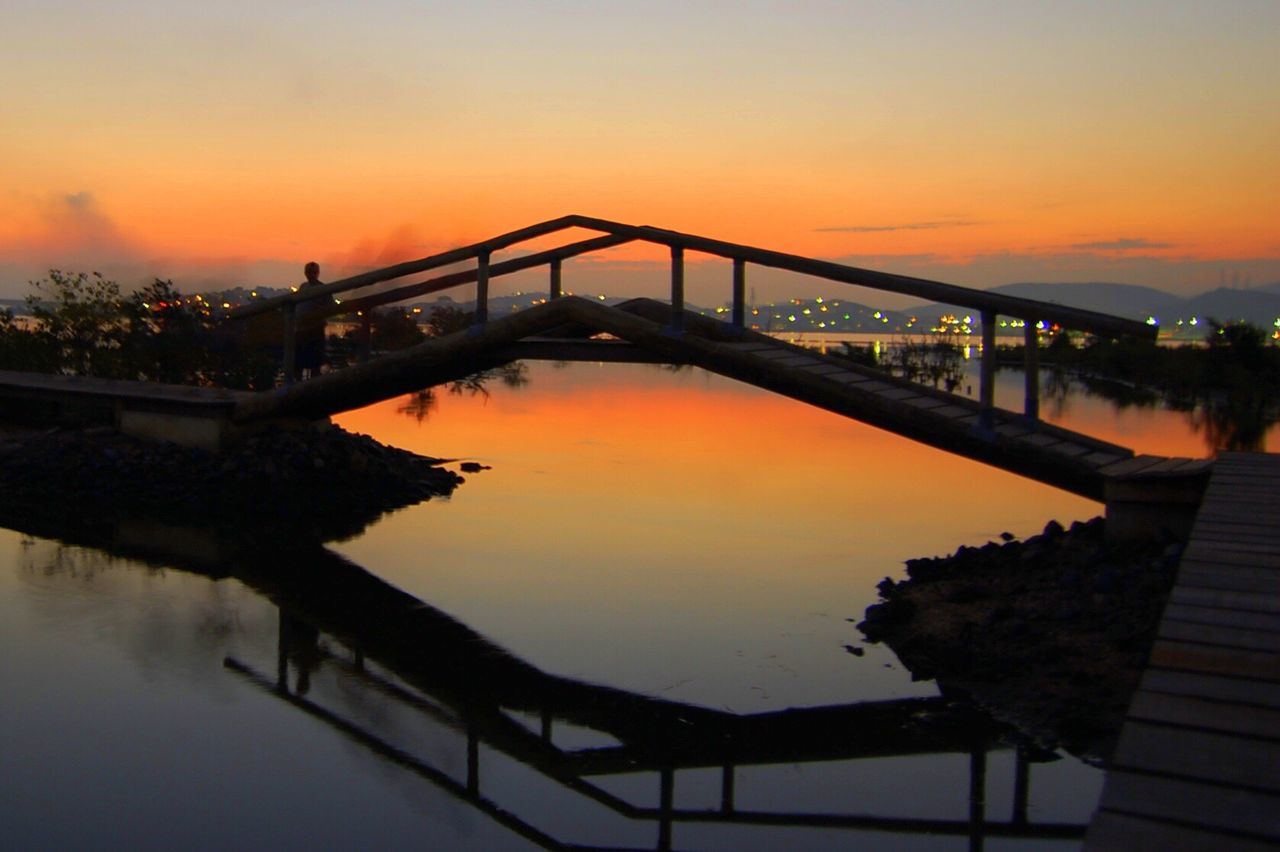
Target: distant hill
1258 305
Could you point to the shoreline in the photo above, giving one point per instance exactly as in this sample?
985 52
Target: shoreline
1049 634
281 485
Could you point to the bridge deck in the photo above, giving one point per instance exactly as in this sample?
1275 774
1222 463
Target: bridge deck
1198 762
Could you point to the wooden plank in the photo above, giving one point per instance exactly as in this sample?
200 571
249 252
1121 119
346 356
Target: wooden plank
1215 634
1189 656
1237 548
952 411
1214 511
1225 598
1222 579
1225 554
1213 686
1196 465
1132 466
848 378
926 402
776 354
1193 712
1245 528
1242 566
1070 450
1166 466
1261 621
1202 755
1232 569
1037 439
898 394
1013 429
1100 459
1204 806
1117 832
824 369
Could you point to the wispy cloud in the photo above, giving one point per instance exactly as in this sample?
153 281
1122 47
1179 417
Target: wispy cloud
906 226
1121 244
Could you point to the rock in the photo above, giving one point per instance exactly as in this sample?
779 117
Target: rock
318 483
1049 634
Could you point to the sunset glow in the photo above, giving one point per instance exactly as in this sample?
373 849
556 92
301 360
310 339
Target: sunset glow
980 143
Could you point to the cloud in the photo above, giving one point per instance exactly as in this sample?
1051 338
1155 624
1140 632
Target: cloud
1121 244
908 226
72 229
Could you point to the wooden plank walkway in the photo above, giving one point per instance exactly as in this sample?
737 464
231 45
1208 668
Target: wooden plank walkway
1198 762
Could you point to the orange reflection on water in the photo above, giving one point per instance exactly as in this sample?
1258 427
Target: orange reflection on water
743 525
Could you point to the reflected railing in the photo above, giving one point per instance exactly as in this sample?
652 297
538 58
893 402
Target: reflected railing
453 676
407 654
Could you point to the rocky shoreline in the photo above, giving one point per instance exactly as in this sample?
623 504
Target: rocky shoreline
319 483
1049 634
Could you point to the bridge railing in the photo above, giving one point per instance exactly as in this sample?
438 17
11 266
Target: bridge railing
989 305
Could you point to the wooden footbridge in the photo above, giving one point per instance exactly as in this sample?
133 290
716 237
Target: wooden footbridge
570 328
566 327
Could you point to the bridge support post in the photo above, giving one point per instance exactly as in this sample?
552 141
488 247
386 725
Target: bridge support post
290 351
666 800
1031 368
726 788
556 292
366 335
987 377
739 293
482 288
677 289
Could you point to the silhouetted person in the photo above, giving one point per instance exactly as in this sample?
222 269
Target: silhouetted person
310 341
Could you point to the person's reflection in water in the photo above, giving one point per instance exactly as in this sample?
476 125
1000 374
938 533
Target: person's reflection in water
299 644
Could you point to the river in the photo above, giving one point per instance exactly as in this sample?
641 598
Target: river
645 537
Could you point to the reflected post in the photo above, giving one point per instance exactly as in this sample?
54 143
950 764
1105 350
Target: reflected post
739 293
1031 367
677 289
987 380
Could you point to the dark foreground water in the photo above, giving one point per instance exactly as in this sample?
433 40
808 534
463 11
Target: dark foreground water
598 642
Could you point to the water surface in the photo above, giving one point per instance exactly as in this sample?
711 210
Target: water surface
648 537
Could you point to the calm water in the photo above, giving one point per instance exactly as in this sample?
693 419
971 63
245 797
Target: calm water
662 554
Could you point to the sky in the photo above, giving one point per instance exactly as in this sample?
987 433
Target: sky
978 143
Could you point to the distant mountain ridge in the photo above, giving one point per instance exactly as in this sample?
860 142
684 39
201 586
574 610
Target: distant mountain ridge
1258 305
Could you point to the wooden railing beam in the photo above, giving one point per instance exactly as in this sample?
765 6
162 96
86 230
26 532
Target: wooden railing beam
739 293
1077 318
1026 309
468 276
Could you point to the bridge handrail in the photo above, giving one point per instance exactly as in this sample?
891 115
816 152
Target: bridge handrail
1031 311
952 294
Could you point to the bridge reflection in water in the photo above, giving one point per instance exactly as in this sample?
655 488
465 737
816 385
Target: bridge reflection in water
399 658
397 649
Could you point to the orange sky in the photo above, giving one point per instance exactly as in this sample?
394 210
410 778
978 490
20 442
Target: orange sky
979 143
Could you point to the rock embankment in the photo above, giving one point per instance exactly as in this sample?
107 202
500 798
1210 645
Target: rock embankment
321 483
1049 634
